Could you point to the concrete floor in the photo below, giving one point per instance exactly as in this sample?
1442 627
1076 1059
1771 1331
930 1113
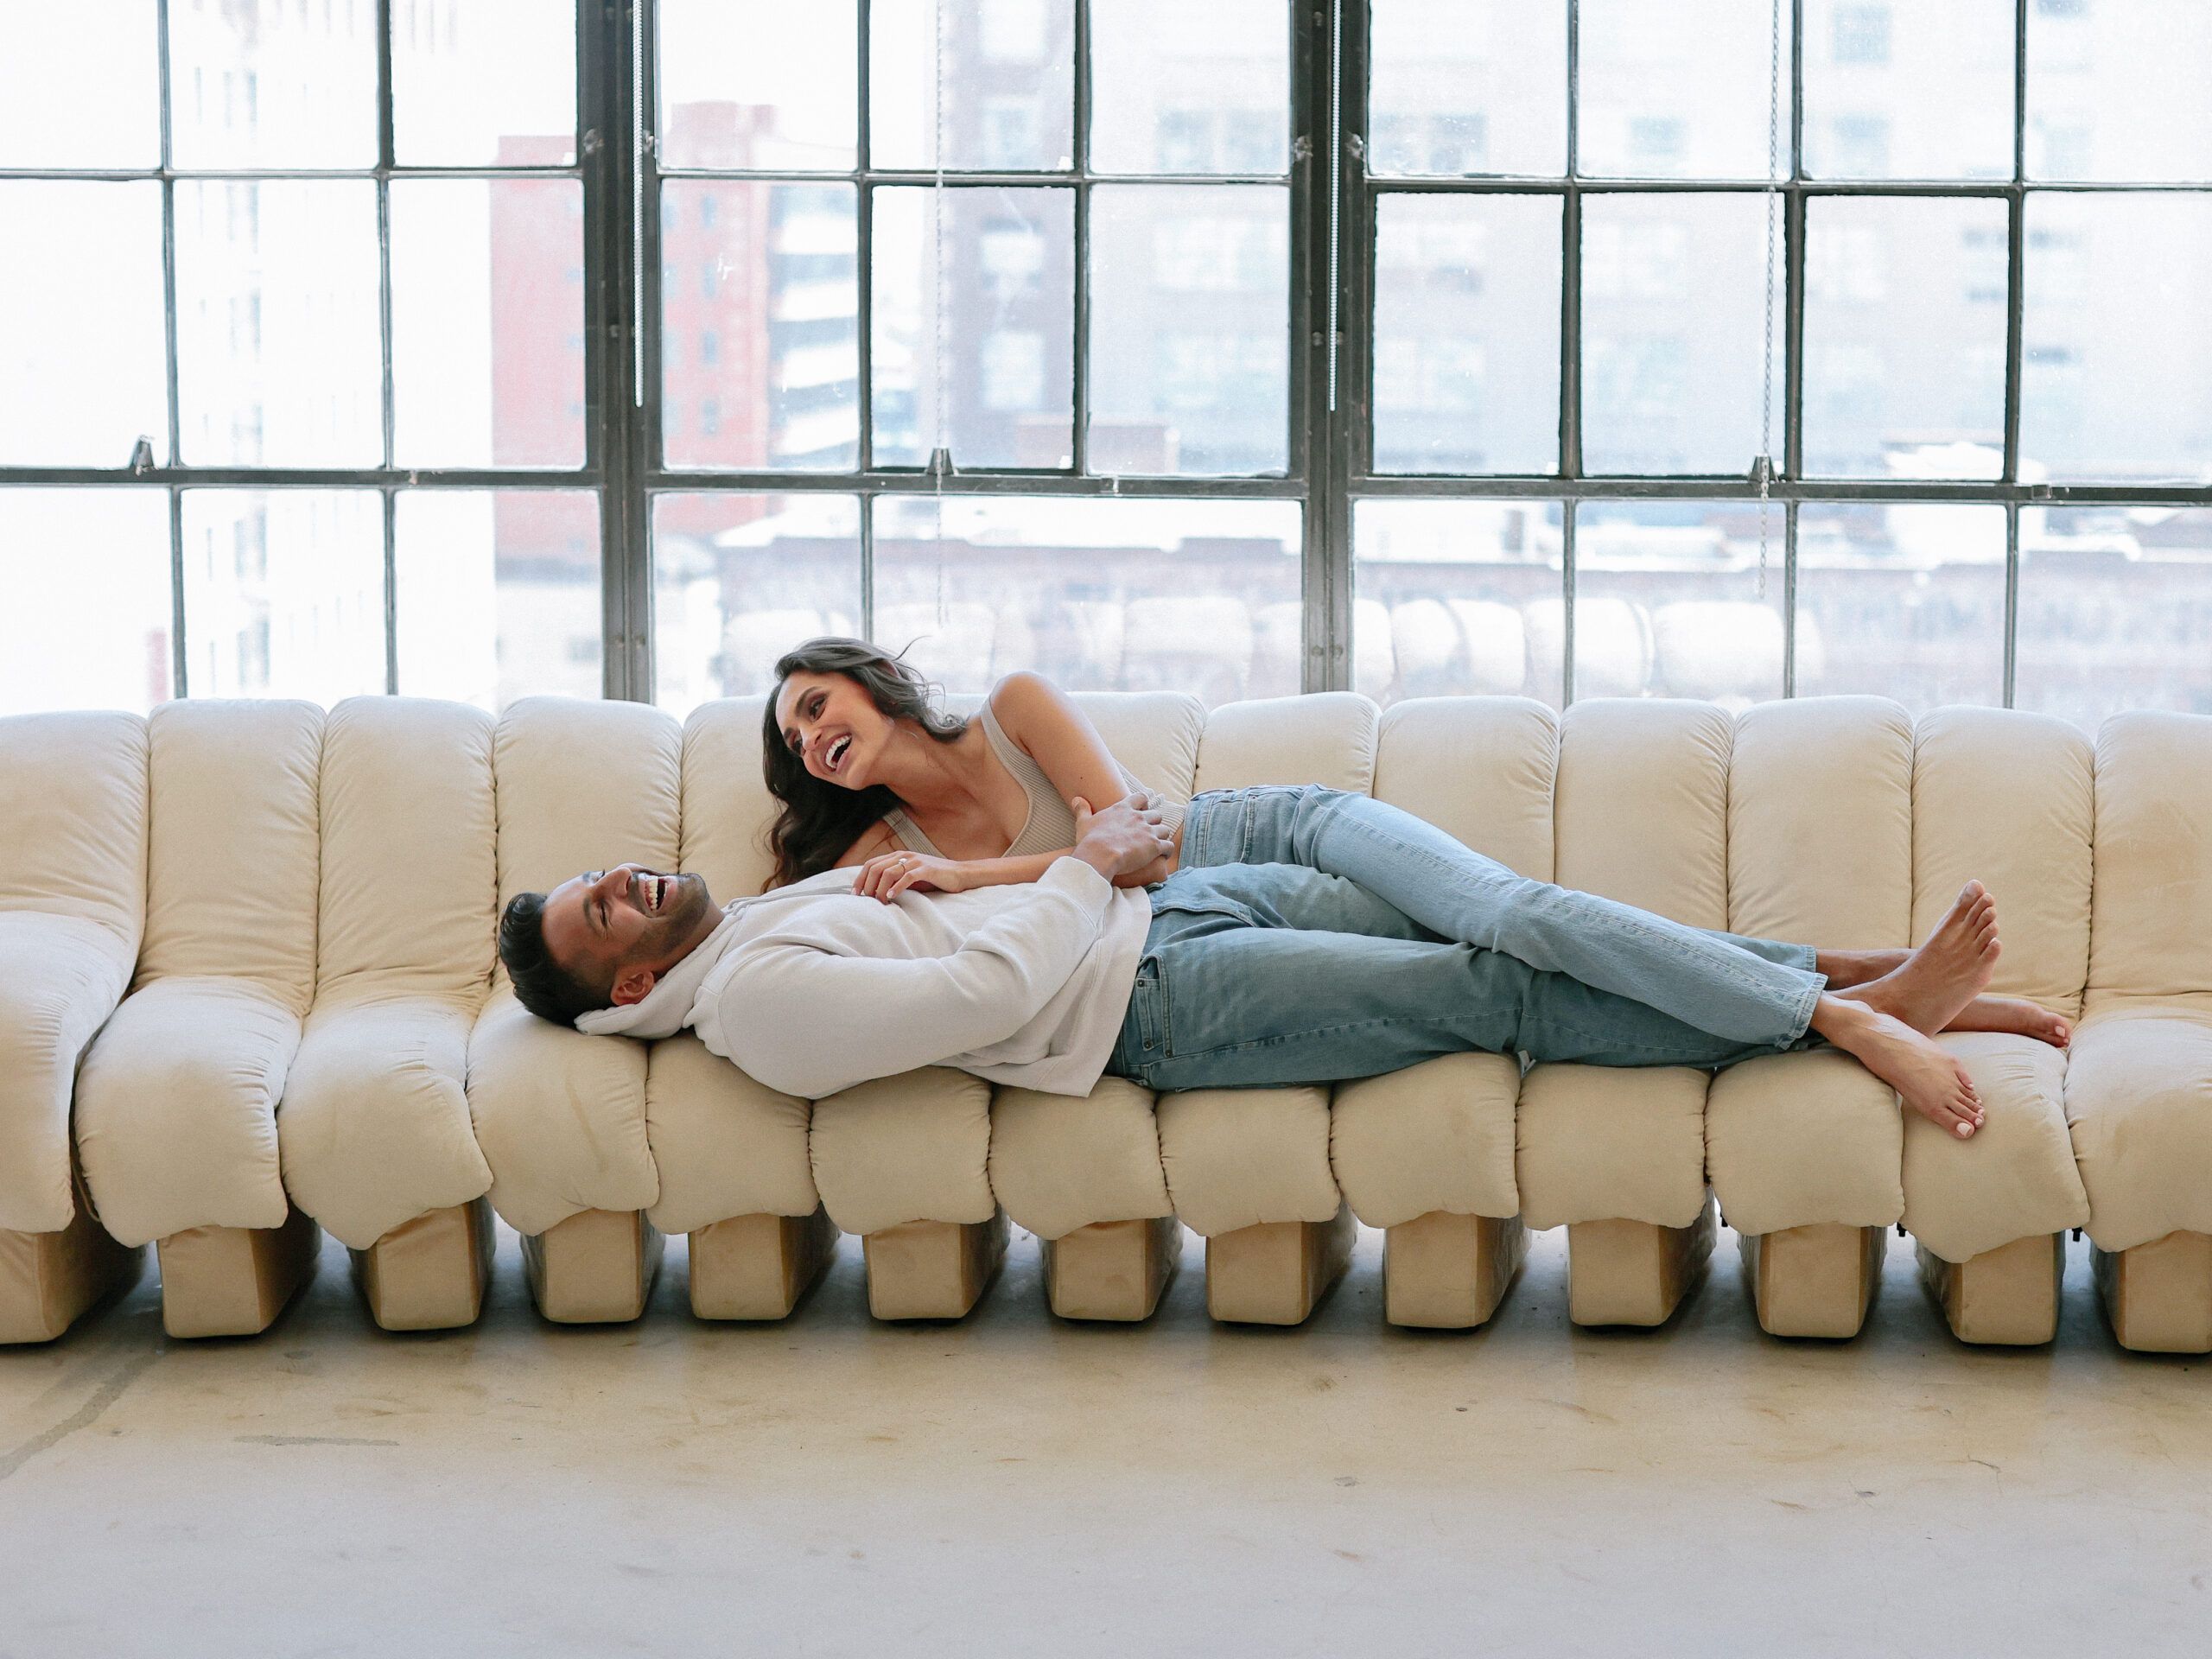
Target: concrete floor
833 1486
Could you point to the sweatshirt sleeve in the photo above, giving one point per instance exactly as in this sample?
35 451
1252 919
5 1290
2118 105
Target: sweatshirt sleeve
810 1021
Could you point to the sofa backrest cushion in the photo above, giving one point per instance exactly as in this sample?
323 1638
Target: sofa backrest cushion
72 820
1328 738
1642 805
582 785
1154 733
2151 934
410 866
1478 768
2009 798
727 806
1820 823
234 843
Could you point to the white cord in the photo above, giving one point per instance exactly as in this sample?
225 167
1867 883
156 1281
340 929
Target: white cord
936 203
1763 467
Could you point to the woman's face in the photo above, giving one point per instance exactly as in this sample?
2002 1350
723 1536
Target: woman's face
833 726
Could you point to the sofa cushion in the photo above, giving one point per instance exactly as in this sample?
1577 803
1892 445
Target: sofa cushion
374 1127
2016 1177
1238 1157
72 900
1798 1139
1155 735
723 1144
912 1148
2138 1103
1328 738
176 1108
234 850
1060 1161
1480 769
561 1115
2151 932
1434 1137
2009 799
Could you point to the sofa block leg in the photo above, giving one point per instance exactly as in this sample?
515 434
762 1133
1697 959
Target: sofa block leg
2158 1295
758 1266
1444 1272
2009 1295
430 1273
48 1279
1112 1269
233 1281
932 1269
1817 1281
1622 1272
596 1268
1276 1272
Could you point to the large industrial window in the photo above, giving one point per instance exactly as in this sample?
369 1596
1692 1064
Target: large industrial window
1718 348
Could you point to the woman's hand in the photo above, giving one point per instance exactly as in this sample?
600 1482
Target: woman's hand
888 875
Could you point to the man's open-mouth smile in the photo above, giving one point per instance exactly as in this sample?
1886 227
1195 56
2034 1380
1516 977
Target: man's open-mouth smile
653 892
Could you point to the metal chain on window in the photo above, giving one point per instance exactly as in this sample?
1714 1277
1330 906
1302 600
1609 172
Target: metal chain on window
1763 463
940 451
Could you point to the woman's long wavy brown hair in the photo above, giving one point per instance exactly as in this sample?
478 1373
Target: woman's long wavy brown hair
820 820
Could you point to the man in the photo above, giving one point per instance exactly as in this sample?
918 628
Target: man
1233 974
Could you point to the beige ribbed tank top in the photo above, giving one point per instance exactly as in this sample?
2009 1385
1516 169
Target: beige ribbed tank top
1051 823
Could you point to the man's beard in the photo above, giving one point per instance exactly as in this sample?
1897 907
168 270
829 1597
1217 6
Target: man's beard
675 924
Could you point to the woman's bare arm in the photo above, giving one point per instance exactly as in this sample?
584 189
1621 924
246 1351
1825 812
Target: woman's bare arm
1044 724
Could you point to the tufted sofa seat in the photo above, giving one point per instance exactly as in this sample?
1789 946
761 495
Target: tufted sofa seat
316 1034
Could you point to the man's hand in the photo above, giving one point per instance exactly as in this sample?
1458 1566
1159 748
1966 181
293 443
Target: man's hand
1122 838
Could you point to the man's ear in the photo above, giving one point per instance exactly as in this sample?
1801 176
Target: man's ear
633 987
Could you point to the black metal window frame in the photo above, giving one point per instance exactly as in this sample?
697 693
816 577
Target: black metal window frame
592 168
1355 478
1331 282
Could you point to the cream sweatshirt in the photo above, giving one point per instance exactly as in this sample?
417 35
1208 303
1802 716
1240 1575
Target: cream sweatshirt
812 988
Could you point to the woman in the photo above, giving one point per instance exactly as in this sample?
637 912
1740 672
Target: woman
870 774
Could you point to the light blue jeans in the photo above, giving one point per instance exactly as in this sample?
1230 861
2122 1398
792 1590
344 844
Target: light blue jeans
1721 997
1259 974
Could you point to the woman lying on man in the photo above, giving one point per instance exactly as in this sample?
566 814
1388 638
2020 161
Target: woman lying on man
870 774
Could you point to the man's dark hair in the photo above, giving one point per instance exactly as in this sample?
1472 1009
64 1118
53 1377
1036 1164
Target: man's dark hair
542 985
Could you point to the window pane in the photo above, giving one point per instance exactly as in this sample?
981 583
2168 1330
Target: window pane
1460 87
1905 338
1672 306
756 83
258 83
497 594
2117 91
481 83
283 594
99 558
1683 90
487 322
1669 602
1467 333
1008 69
2117 384
1457 599
84 364
1902 602
1908 91
278 360
975 326
1190 89
739 580
2115 611
759 346
79 85
1189 328
1121 595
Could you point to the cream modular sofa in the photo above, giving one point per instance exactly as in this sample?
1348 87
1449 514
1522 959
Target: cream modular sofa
315 1035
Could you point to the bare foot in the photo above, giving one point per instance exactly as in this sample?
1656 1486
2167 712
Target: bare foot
1952 967
1933 1083
2013 1014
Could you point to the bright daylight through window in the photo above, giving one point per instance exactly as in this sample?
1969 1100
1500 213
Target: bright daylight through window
1732 349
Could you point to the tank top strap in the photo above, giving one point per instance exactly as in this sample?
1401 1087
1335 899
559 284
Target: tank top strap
909 834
